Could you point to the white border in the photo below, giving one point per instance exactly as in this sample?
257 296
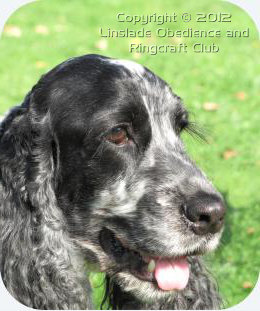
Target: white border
9 303
252 8
7 8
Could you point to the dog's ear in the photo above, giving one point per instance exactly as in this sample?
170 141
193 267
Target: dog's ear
29 153
15 148
44 158
35 249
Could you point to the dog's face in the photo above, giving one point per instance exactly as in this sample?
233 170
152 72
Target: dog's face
132 199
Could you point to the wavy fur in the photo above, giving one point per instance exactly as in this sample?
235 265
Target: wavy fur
62 184
37 257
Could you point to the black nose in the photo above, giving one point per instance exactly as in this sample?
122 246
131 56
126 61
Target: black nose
205 213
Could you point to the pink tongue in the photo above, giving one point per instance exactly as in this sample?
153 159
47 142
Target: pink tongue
172 274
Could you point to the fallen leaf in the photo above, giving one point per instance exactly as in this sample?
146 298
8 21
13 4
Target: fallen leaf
209 106
13 31
41 64
250 230
241 95
59 27
229 154
256 44
151 40
135 41
229 259
42 29
136 55
195 71
62 19
247 284
101 44
176 40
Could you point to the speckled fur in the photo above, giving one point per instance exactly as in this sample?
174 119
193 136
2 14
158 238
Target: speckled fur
53 206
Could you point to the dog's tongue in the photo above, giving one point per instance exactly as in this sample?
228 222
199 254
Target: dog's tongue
172 274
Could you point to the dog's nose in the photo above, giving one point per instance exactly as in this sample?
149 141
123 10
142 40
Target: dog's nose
205 213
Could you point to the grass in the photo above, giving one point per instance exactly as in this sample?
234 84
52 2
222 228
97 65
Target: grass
230 79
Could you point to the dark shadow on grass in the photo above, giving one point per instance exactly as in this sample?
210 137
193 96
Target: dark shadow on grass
229 219
227 239
227 234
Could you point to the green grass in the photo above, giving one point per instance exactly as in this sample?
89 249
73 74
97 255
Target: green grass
197 78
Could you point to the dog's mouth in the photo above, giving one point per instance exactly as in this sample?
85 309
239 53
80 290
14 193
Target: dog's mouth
164 273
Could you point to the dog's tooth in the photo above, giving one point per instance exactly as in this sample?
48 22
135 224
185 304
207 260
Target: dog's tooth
151 266
146 259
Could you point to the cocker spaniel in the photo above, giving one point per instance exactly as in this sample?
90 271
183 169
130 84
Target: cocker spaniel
93 173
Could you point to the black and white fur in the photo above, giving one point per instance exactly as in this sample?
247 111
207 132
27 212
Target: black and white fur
67 192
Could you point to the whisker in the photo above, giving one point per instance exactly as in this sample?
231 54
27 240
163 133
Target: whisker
198 132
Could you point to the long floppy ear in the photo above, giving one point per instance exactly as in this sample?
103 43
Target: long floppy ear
37 258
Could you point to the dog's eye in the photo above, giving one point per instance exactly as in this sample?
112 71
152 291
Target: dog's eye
183 121
118 136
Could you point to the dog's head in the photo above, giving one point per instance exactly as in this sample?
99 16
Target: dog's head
133 201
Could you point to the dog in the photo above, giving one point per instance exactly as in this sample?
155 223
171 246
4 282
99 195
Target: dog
94 175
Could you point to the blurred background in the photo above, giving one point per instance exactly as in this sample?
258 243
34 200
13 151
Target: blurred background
221 91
